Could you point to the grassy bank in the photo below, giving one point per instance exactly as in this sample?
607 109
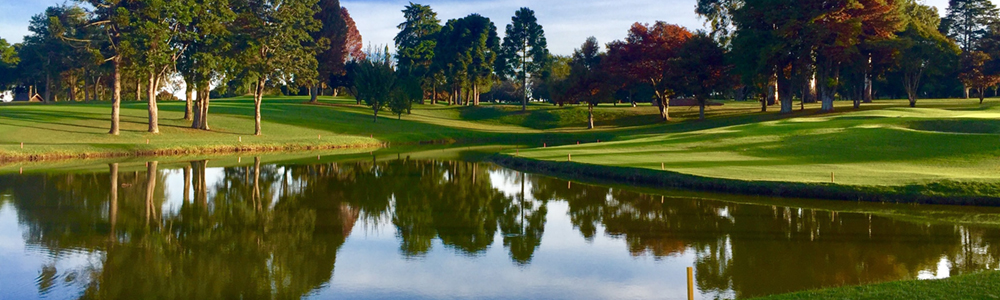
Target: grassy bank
76 130
974 286
946 145
884 147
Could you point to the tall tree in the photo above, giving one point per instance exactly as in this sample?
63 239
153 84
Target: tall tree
43 53
331 37
705 69
416 41
113 17
273 40
645 56
718 16
209 52
920 49
156 25
465 53
843 34
8 64
967 21
587 79
524 51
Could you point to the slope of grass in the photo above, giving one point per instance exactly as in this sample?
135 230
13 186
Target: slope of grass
973 286
882 144
891 146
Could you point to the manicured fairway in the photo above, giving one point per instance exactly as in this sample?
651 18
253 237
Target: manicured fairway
892 146
974 286
885 143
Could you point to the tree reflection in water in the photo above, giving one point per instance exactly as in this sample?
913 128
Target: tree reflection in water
273 231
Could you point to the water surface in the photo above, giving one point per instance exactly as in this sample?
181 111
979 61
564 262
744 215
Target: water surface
426 229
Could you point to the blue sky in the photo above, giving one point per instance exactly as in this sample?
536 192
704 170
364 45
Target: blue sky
567 23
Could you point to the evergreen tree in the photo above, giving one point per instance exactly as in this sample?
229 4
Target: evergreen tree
967 21
524 51
416 41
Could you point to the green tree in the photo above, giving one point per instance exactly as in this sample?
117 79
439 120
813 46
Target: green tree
920 50
967 21
525 52
208 54
274 38
587 79
8 64
416 41
156 24
375 80
406 91
718 16
112 16
465 54
703 63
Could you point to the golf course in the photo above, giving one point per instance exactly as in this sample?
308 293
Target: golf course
942 152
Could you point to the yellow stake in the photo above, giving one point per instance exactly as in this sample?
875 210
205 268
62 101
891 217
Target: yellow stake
690 283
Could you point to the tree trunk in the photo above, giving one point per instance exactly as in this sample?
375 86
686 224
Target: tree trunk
116 98
784 92
375 113
258 97
72 88
196 109
701 109
154 126
206 99
86 88
138 89
590 115
772 91
48 87
187 184
150 190
867 97
313 91
982 95
188 100
256 184
966 88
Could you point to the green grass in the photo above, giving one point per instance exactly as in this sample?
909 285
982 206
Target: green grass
973 286
891 146
885 143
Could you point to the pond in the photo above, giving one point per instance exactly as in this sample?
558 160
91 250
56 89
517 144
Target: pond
430 229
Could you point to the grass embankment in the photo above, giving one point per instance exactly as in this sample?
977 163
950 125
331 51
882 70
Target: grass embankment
947 147
973 286
73 130
925 155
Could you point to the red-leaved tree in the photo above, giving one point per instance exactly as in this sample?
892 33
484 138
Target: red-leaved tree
645 56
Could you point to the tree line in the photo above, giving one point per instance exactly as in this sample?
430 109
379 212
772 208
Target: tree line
774 52
215 47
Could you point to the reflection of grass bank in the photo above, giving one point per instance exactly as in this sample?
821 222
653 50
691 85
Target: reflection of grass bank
973 286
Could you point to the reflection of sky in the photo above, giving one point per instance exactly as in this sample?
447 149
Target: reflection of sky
565 267
174 179
21 265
